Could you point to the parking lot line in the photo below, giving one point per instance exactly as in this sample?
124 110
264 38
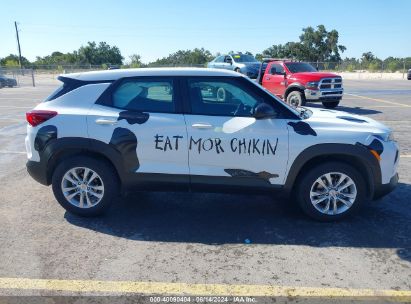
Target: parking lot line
197 289
380 100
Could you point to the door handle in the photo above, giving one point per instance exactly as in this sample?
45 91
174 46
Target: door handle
104 121
267 78
202 126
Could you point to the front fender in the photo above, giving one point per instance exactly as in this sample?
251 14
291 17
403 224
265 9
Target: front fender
361 156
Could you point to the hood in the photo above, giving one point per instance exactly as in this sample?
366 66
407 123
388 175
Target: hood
313 76
343 121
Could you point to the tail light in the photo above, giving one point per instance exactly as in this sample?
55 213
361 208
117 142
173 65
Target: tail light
36 117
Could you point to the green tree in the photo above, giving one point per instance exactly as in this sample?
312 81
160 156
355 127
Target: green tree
314 45
98 54
135 61
11 59
185 58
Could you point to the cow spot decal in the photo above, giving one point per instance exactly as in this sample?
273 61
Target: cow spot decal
125 142
302 128
246 173
133 117
353 119
43 136
375 145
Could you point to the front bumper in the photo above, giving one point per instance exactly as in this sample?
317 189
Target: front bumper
321 95
384 189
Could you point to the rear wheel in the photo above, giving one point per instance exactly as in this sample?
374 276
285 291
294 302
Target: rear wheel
85 186
330 104
296 99
331 191
237 70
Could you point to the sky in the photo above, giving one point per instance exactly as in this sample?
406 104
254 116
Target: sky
156 28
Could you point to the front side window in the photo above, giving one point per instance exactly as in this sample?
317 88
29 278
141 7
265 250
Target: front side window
300 67
277 69
142 95
221 97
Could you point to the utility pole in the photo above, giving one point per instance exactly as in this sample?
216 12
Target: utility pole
18 43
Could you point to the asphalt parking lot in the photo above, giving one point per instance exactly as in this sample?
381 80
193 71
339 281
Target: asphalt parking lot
209 241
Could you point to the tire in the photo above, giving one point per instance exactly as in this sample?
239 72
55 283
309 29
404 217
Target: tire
308 182
296 99
97 198
237 70
330 104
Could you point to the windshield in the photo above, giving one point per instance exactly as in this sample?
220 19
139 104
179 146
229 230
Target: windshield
299 67
244 58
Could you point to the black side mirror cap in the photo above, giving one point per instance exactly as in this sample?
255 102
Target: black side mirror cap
264 111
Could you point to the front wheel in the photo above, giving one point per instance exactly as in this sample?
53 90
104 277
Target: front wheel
296 99
85 186
331 191
330 104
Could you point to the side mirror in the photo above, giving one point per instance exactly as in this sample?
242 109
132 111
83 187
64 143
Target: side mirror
229 60
263 110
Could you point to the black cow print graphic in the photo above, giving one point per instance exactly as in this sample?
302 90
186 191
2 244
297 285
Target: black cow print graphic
246 173
133 117
353 119
43 136
302 128
125 142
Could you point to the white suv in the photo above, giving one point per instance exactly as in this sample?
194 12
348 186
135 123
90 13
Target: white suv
169 129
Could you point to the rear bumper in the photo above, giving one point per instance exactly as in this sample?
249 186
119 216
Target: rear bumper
384 189
320 95
38 172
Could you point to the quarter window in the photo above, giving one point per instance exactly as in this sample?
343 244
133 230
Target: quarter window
220 97
139 95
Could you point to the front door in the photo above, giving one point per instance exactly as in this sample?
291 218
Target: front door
226 144
274 80
138 119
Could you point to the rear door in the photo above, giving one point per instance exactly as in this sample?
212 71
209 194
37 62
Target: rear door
141 118
226 144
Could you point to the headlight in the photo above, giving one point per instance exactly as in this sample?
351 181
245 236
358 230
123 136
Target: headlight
386 136
312 85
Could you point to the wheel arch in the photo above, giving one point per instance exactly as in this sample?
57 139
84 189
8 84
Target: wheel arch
64 148
354 155
294 87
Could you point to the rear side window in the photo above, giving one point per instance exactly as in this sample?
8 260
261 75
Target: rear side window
70 84
145 95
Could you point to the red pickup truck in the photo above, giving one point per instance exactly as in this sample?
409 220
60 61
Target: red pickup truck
299 82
